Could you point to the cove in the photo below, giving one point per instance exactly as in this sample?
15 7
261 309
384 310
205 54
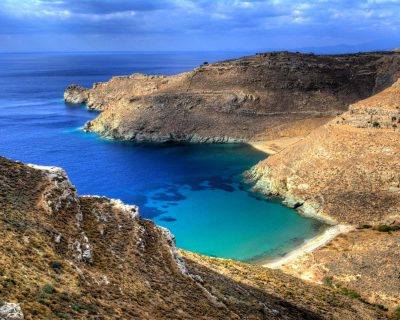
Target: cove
196 191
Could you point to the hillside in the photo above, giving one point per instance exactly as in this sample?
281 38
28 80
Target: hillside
347 172
65 256
246 99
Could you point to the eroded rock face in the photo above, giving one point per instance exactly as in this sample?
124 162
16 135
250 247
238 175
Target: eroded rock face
347 171
75 94
236 100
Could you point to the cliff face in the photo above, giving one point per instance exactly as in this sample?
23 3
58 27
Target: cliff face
235 100
348 170
69 257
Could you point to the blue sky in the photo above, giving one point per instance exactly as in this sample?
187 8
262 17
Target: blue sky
168 25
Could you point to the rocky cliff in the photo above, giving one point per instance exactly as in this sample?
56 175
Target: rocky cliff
65 256
237 100
347 171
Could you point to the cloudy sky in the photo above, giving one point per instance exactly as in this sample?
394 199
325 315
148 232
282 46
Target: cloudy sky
231 25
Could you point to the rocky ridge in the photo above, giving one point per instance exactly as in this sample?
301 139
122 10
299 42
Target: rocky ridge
66 256
347 172
236 100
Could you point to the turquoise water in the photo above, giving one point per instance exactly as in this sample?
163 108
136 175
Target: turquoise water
194 190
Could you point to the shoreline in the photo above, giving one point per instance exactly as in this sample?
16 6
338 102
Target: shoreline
271 147
309 246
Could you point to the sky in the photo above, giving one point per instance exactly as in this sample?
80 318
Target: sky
203 25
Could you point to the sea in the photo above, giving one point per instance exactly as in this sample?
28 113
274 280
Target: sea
196 191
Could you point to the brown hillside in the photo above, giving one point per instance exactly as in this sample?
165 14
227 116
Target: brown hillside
70 257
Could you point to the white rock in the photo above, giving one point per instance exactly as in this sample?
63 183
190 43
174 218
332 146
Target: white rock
11 311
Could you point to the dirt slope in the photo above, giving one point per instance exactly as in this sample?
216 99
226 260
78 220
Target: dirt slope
70 257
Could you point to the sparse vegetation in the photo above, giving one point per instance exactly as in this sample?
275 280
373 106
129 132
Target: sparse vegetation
387 228
328 281
350 293
76 307
376 124
56 265
7 283
396 314
48 288
61 315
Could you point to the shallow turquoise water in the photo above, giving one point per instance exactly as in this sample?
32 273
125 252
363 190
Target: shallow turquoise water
234 225
196 191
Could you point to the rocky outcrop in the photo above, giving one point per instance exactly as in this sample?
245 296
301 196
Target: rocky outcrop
348 170
236 100
71 257
10 311
75 94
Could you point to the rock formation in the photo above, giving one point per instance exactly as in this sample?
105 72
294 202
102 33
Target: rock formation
235 100
346 171
65 256
332 161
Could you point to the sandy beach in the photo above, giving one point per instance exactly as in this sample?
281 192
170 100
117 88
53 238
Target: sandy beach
273 146
309 246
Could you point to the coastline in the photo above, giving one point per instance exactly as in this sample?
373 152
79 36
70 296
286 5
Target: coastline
309 246
271 147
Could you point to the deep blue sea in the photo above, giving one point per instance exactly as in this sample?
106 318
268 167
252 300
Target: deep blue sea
196 191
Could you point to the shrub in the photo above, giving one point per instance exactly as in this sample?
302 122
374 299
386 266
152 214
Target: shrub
9 282
328 281
376 124
386 228
396 314
76 307
61 315
48 288
56 265
350 293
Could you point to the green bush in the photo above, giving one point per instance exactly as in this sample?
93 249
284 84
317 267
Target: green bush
386 228
328 281
48 288
350 293
396 315
61 315
76 307
56 265
376 124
